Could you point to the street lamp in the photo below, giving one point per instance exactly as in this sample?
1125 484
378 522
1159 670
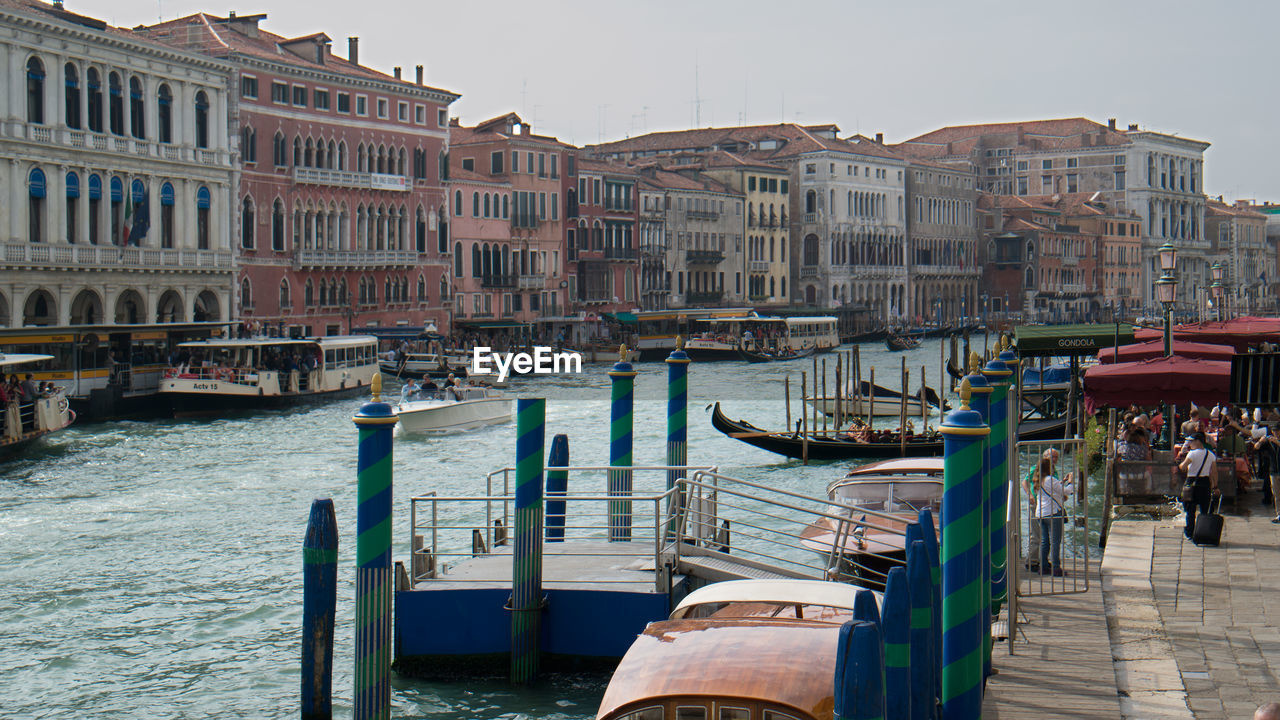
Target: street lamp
1166 294
1219 288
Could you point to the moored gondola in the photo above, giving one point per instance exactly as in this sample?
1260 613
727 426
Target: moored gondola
758 356
901 342
867 444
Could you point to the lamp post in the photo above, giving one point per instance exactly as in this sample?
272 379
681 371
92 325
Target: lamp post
1219 288
1167 293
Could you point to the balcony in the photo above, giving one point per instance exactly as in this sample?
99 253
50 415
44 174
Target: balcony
497 281
703 215
363 259
344 178
712 296
653 250
619 253
30 256
1073 288
532 282
809 271
1070 260
704 257
757 266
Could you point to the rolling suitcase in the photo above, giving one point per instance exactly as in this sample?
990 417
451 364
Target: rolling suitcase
1208 530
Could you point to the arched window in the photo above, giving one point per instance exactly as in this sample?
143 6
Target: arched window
811 249
137 122
203 202
420 231
457 203
35 91
486 204
248 144
72 76
277 226
285 300
246 294
309 155
475 260
297 150
37 188
115 99
165 109
278 154
166 215
422 289
94 88
505 205
246 224
475 204
202 120
444 289
73 204
457 260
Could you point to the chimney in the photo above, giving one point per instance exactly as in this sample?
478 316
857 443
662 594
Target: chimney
396 72
1133 127
1022 137
353 50
880 138
57 4
1111 123
231 15
419 73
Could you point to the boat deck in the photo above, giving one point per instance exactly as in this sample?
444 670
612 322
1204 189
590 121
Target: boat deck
574 565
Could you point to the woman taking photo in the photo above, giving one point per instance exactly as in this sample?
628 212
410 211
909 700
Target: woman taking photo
1051 512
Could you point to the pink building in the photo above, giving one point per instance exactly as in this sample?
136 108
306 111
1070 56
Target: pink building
341 215
603 254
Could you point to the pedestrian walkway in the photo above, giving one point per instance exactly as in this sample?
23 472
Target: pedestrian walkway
1061 666
1192 633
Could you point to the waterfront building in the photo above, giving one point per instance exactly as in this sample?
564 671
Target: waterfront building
655 278
1110 275
340 217
602 259
118 177
1238 237
765 226
704 221
942 230
501 161
1159 176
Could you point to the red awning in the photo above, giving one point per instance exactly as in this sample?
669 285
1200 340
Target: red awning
1152 382
1155 349
1240 333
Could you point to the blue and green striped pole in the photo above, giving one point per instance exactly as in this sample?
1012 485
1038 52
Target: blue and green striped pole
981 403
865 606
929 536
622 401
319 603
859 681
924 669
1007 435
897 612
963 432
375 421
526 561
557 486
677 411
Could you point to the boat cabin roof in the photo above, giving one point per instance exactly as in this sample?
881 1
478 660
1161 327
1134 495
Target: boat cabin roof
336 341
12 359
774 592
900 466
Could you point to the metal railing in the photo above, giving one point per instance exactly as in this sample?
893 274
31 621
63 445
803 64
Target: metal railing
704 257
354 258
31 255
347 178
1071 573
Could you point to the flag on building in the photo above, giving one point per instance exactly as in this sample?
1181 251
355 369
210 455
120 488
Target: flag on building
127 226
141 220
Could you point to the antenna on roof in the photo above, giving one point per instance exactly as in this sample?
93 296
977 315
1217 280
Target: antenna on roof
697 97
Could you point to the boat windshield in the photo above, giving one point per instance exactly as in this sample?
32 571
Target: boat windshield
891 496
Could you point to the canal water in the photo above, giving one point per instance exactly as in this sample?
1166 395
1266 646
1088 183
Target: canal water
154 569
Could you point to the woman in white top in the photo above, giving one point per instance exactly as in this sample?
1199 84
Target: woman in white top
1051 512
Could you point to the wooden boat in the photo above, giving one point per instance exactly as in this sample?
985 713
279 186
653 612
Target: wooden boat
423 365
27 420
736 650
887 403
457 408
901 342
843 446
763 356
868 547
268 372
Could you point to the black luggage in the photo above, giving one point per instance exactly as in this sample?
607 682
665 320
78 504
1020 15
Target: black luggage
1208 530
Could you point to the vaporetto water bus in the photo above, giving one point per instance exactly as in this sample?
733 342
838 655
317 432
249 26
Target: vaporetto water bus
24 420
721 338
237 374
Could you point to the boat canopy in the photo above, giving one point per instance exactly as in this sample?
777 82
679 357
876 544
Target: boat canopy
12 359
1065 340
332 341
778 592
900 466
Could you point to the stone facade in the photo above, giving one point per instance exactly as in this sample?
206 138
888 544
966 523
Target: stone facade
97 122
942 234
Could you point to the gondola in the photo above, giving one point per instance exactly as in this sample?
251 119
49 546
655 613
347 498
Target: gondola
901 342
836 446
753 356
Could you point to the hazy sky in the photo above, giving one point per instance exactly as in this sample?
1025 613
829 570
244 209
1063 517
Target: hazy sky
602 70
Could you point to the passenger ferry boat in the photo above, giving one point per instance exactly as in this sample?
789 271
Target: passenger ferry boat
25 421
736 650
453 408
105 371
721 338
265 372
656 330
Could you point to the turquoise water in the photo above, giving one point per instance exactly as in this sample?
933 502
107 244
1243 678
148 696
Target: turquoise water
154 569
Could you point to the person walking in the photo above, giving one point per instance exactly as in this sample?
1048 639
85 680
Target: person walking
1200 465
1267 447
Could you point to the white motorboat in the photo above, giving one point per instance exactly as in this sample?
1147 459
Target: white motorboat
457 408
423 365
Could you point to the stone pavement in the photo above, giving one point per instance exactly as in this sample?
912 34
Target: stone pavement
1195 632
